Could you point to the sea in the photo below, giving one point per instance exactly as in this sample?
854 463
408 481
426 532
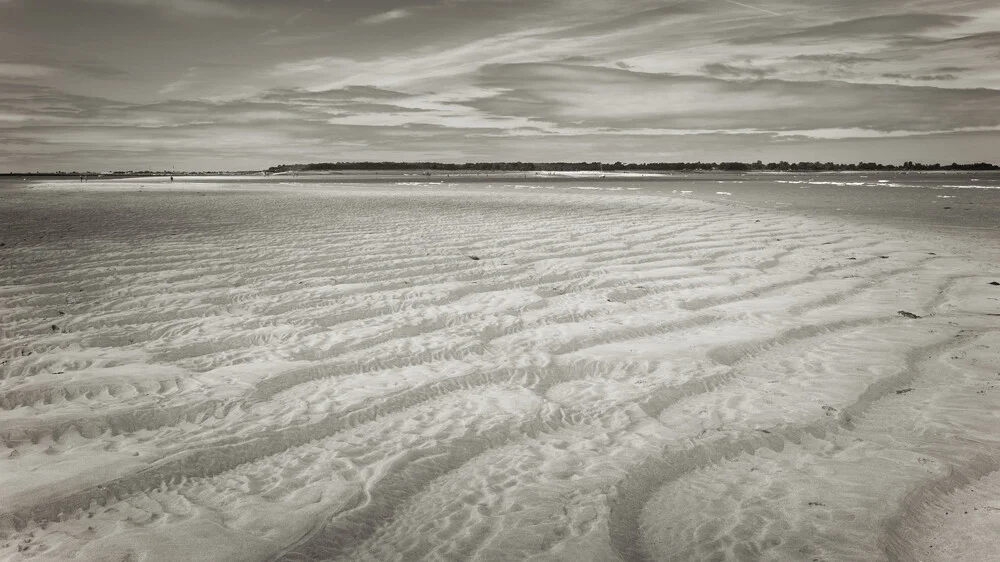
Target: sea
939 200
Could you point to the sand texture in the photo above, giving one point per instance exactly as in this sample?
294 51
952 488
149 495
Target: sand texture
407 372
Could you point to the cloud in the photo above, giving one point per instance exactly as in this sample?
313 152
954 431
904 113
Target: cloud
630 22
278 38
985 40
923 78
391 15
567 96
313 67
34 68
48 102
547 106
875 26
21 70
428 69
26 105
335 96
755 8
203 8
183 83
728 70
835 58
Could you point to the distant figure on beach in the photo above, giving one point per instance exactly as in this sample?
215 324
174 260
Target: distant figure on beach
171 178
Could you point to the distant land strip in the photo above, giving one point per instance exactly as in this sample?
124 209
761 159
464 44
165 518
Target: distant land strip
757 166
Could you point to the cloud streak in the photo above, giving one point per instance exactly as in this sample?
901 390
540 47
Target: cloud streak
617 98
199 8
755 8
385 17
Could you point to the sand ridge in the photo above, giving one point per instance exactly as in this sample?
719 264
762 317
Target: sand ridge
486 372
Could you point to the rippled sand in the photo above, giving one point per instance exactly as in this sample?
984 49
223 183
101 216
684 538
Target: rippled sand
311 372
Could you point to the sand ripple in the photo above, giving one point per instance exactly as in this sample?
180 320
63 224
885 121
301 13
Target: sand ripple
430 371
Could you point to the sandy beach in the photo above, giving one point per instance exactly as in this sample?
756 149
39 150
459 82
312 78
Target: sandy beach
233 370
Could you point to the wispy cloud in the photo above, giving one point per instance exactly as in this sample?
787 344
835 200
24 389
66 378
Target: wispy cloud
182 83
755 8
566 95
729 70
430 69
19 70
204 8
875 26
384 17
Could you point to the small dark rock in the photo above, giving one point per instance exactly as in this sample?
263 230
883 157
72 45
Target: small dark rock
884 257
904 390
947 207
995 283
908 314
55 328
474 258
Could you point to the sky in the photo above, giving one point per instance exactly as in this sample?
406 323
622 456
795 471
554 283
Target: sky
106 85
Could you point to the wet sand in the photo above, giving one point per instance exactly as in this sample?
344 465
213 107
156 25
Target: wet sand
492 371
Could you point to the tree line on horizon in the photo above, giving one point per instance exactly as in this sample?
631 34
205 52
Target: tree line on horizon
757 166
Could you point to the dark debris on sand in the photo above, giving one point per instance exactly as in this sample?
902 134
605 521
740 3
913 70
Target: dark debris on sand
908 314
